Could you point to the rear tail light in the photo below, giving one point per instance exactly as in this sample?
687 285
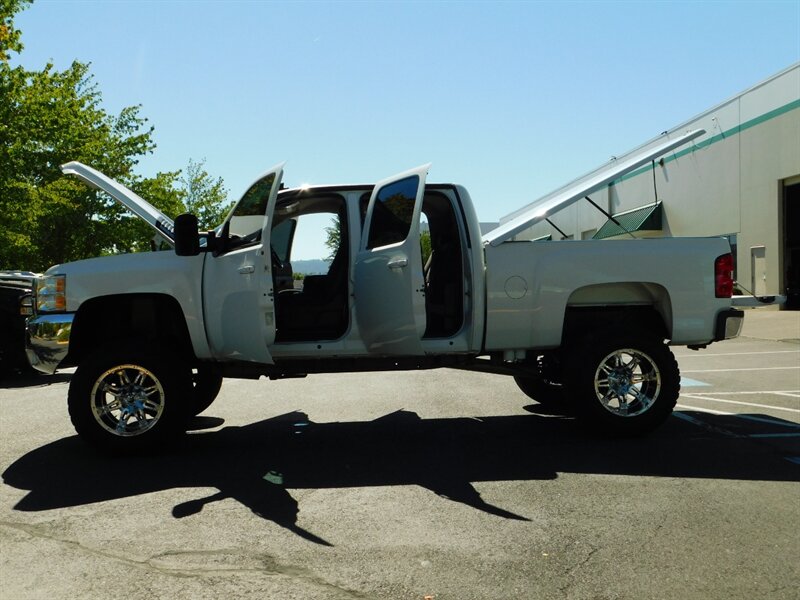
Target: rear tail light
723 276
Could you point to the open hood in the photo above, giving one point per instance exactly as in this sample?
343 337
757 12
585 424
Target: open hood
133 202
542 208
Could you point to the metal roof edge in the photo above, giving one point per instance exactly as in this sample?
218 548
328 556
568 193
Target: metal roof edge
544 207
682 126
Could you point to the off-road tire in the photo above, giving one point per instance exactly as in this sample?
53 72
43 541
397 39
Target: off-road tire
544 392
206 383
622 383
128 398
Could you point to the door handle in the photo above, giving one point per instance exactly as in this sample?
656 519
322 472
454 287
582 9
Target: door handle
397 263
246 270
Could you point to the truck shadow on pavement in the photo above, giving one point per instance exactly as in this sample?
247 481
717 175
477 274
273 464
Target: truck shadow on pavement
11 381
258 464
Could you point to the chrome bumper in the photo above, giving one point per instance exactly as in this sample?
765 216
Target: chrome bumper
47 340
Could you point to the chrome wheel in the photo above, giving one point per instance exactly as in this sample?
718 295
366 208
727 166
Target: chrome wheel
627 382
127 400
622 383
128 397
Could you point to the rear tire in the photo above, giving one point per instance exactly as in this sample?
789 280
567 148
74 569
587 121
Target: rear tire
622 383
125 398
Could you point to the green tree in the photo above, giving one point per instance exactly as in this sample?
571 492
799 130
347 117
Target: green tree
162 191
333 236
50 117
204 196
425 245
9 35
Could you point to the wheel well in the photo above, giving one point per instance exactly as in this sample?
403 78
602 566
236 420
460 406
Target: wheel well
581 319
155 318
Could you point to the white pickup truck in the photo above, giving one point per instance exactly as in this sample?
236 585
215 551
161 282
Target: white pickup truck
583 324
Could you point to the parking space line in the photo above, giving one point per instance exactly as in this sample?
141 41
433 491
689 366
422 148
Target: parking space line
704 355
695 408
728 433
768 421
707 426
710 399
792 393
745 369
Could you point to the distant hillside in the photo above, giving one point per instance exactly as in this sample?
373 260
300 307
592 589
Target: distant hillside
310 267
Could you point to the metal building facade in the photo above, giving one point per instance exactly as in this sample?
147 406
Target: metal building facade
741 179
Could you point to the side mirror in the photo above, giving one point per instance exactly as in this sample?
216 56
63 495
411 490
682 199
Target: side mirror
187 238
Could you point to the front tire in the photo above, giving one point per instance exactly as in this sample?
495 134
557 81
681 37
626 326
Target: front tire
623 384
206 383
128 399
543 391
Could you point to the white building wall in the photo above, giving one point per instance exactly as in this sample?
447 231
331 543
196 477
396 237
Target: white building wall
728 181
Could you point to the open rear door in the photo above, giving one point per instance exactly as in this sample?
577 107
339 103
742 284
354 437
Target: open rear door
389 283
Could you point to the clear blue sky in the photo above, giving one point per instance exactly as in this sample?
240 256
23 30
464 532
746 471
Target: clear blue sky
511 99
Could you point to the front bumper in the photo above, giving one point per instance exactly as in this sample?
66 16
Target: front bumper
47 340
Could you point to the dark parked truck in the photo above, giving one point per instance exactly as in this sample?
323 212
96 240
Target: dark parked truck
16 303
588 323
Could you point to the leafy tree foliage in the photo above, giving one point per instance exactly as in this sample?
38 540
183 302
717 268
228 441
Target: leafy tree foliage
204 197
425 245
9 36
50 117
333 236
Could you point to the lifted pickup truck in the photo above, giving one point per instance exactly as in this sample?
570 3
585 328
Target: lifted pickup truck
586 323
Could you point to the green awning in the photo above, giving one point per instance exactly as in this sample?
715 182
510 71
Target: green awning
643 219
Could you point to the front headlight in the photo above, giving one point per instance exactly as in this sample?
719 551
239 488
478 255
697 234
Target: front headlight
51 293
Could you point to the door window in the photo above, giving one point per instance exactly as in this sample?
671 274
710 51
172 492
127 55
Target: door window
393 213
247 219
282 236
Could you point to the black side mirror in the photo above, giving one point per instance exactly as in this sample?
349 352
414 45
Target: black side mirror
187 238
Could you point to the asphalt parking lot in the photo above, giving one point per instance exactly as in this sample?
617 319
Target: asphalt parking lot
440 484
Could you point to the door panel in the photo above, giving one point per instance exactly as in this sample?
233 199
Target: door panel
389 283
239 307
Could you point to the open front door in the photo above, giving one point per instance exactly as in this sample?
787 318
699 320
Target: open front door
239 307
389 283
